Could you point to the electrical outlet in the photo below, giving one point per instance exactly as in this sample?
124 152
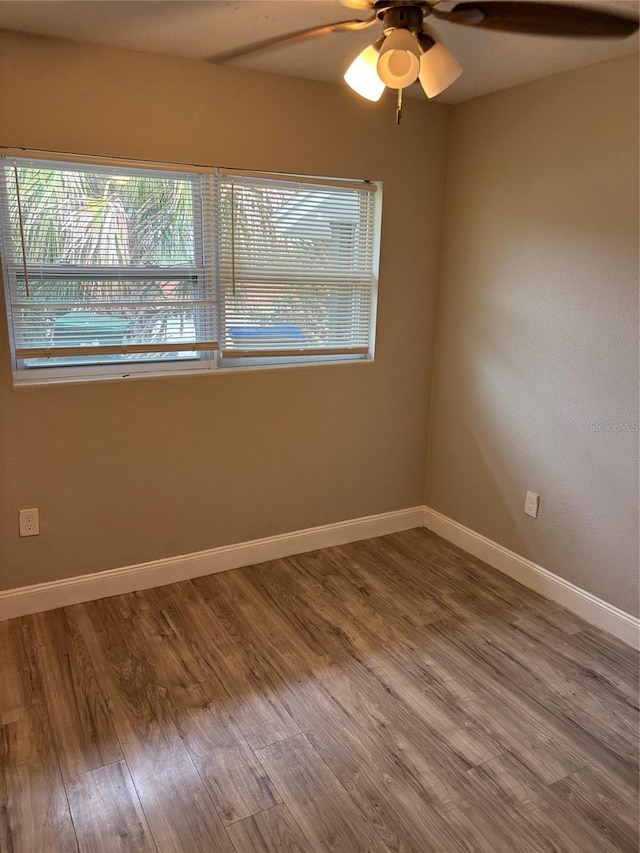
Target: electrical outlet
531 504
29 522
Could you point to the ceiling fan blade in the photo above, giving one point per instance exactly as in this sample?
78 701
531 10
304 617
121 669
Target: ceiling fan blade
291 38
545 19
358 4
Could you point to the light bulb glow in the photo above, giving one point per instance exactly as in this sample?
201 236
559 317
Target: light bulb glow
399 63
362 75
438 70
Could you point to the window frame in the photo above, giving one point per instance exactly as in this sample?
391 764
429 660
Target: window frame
206 263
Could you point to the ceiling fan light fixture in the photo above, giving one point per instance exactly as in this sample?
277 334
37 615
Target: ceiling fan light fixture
438 69
399 62
362 75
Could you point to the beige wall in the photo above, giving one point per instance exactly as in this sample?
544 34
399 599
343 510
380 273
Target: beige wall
126 472
537 335
538 326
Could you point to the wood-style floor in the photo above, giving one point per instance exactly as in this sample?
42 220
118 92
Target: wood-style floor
393 694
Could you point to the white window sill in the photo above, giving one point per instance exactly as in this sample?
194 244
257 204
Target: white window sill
20 381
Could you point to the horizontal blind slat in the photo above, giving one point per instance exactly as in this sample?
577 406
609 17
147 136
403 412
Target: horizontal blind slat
309 351
66 352
270 178
71 304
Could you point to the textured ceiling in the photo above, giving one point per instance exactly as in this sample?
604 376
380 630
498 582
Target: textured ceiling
200 30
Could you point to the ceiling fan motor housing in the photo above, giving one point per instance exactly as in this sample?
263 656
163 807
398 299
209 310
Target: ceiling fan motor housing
401 17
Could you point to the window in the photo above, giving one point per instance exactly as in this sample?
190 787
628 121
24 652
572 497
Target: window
296 263
104 266
114 270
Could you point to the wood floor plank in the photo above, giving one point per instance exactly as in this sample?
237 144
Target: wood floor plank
107 814
425 553
559 830
401 665
33 803
507 791
319 804
599 810
34 810
255 708
497 831
314 637
603 804
252 595
12 700
552 743
573 730
271 831
547 669
234 778
398 799
588 659
503 797
504 780
609 657
401 800
364 576
77 709
382 714
178 808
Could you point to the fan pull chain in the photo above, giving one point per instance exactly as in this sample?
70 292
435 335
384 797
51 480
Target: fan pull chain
399 107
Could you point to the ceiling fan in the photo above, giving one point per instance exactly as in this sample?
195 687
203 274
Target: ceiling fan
407 50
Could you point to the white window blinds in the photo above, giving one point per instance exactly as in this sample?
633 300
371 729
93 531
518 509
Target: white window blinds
296 266
111 269
105 263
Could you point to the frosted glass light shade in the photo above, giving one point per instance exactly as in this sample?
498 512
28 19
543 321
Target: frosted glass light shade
438 70
399 62
362 75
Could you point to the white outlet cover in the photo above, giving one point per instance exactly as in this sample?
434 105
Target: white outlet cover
531 504
29 522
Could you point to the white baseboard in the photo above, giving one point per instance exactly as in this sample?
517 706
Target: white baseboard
591 608
47 596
